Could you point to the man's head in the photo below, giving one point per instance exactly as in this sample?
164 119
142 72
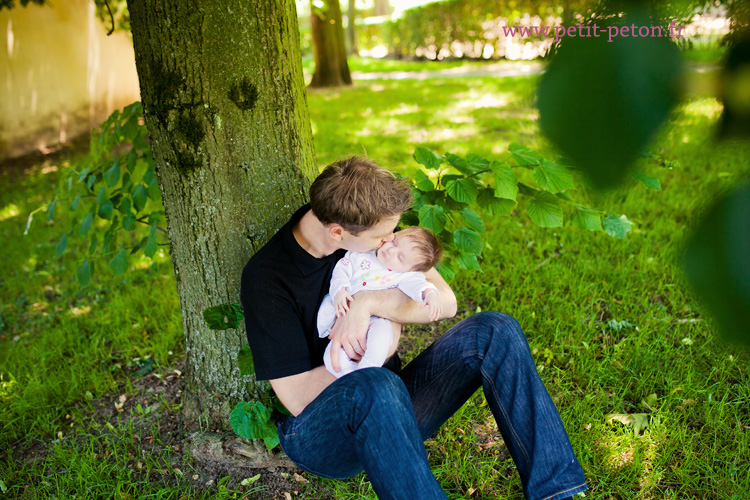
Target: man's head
412 249
356 197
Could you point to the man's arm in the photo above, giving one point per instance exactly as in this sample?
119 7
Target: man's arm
297 391
350 331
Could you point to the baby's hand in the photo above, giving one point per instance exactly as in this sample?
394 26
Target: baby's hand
432 300
341 302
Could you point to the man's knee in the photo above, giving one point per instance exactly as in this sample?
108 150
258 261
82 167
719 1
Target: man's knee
503 329
379 388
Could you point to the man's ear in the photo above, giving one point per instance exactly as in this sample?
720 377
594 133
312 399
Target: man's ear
336 232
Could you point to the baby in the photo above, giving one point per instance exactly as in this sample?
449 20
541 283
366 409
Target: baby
397 264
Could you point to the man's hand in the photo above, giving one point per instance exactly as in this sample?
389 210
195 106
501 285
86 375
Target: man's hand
341 302
350 332
432 300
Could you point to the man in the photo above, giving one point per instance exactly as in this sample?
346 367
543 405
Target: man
377 419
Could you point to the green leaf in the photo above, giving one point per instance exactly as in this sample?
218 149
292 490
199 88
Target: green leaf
446 271
132 158
51 209
125 207
649 182
76 202
105 210
154 192
492 205
423 182
119 264
252 420
505 180
271 441
525 156
249 480
462 190
463 165
585 218
86 225
468 241
553 178
84 273
84 173
112 176
91 181
223 317
128 222
427 158
60 248
140 196
433 218
92 246
102 197
130 128
151 245
638 421
544 210
472 219
617 225
717 264
601 101
476 162
469 262
245 361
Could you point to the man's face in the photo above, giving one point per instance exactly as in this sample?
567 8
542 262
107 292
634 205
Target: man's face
371 238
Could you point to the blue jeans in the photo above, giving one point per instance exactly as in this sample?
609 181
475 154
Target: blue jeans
377 420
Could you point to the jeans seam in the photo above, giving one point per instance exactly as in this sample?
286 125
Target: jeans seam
564 491
505 415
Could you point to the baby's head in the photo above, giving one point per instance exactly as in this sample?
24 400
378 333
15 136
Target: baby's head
412 249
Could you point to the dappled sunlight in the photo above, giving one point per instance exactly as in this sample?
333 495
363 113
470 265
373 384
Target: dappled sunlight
79 311
9 211
7 388
403 109
476 100
708 108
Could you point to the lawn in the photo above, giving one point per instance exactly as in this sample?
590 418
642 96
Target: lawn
611 323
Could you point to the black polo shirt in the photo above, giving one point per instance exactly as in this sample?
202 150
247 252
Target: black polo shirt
282 288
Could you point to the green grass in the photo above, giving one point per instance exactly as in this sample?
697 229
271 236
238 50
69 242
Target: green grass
610 321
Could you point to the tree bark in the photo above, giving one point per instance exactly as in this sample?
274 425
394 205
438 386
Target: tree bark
224 102
382 8
350 28
331 68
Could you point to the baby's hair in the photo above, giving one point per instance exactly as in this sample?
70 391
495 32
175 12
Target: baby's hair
426 244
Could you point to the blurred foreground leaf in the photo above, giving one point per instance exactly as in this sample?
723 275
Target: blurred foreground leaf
602 99
717 261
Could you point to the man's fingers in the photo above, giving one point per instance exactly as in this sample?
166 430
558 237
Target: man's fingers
335 350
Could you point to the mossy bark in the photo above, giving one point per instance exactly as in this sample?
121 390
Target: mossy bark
329 48
224 101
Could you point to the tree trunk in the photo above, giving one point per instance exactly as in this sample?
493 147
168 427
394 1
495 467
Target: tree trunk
331 69
350 29
382 8
225 106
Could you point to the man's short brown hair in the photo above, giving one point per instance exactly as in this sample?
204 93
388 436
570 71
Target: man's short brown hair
426 244
357 194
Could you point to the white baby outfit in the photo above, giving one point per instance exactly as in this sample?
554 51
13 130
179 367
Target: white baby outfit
363 271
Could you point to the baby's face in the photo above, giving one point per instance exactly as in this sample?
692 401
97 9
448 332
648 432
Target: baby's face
399 254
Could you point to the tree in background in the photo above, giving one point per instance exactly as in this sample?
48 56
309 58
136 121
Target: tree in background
224 102
331 68
350 30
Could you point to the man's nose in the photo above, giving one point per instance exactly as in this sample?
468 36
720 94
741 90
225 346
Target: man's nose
389 238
